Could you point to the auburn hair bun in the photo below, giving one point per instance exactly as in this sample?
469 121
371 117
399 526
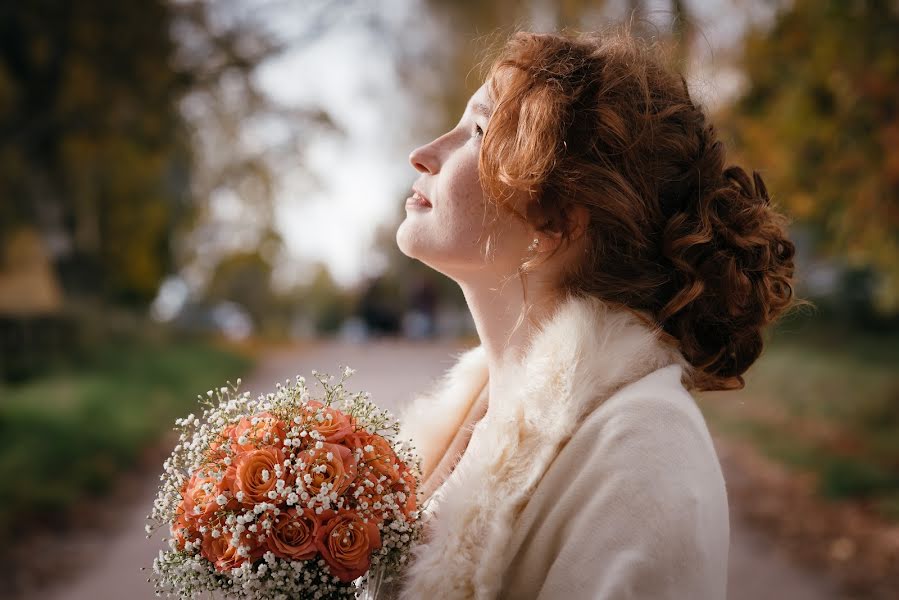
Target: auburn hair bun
597 120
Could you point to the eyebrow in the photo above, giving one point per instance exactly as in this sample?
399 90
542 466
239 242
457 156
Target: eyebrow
481 109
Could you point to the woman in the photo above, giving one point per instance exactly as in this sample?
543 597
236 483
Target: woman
611 263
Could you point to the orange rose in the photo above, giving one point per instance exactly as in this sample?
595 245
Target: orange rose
220 552
346 543
293 534
199 497
335 426
377 453
339 470
407 485
254 474
182 531
370 493
218 447
244 435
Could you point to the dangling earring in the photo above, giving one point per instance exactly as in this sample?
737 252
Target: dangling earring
534 244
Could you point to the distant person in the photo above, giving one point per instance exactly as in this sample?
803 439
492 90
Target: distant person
381 319
612 262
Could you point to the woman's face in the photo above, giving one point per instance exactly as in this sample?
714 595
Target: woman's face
450 235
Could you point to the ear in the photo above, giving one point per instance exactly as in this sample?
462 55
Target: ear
578 220
577 217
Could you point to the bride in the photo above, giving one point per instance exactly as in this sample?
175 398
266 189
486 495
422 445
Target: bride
612 263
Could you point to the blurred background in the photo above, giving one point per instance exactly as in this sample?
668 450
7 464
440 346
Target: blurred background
195 190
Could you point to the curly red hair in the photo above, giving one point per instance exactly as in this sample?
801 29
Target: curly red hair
597 121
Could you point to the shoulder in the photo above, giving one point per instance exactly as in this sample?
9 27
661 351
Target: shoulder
651 436
636 497
652 413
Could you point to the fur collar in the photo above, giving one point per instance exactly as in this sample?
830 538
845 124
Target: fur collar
582 355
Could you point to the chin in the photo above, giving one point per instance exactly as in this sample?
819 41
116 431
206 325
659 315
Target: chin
405 242
457 261
414 240
417 248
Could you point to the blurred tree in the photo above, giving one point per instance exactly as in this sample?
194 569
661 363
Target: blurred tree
820 119
120 122
242 137
92 147
244 278
322 301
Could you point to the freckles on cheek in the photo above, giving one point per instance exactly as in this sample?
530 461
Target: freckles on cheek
467 216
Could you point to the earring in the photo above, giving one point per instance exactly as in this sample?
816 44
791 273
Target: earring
534 244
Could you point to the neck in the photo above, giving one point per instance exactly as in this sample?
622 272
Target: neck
495 308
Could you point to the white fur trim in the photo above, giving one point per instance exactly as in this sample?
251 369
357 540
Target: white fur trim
582 355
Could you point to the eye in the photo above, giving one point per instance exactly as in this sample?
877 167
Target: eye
477 131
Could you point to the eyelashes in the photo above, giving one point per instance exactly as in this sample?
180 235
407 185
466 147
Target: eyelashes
477 131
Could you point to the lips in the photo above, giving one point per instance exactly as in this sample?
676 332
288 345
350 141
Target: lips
419 199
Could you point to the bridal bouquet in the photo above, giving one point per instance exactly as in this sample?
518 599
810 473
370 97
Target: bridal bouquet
286 496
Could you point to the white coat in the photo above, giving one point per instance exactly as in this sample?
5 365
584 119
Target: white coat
596 480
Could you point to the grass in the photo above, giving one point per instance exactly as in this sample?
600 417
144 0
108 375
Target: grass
67 435
823 401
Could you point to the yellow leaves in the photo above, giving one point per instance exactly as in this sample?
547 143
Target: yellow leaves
801 205
80 86
888 135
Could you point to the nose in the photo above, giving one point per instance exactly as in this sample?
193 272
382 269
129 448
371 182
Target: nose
425 159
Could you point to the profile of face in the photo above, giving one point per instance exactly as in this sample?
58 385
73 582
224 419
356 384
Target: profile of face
450 236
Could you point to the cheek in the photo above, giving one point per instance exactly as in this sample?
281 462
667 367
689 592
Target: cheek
453 236
457 229
453 233
462 197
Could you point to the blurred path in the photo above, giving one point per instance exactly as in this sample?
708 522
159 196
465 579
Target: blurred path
761 569
108 565
393 371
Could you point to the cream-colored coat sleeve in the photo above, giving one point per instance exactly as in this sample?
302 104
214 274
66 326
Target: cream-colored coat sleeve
633 507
